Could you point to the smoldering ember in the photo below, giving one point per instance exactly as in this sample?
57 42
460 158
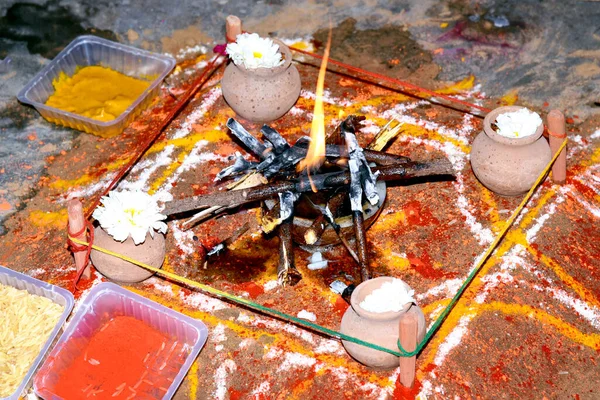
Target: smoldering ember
308 200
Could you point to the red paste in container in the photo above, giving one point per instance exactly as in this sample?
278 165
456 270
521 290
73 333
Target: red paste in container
124 359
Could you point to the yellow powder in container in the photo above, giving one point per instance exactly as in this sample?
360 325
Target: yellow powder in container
96 92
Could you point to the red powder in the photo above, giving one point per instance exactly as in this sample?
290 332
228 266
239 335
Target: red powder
124 359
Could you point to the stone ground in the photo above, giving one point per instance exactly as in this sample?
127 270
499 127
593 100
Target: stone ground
526 328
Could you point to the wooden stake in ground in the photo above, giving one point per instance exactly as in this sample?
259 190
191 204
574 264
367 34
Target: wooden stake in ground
408 340
557 134
233 27
77 230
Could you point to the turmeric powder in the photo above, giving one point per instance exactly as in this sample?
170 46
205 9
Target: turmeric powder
96 92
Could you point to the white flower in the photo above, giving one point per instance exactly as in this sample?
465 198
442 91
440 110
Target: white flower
130 213
252 51
517 124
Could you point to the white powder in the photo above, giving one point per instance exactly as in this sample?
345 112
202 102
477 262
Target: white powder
391 296
518 123
307 315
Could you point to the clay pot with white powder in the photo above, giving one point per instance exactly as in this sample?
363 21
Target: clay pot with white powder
508 165
365 321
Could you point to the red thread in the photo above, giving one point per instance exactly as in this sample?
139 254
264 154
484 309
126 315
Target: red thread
405 85
556 135
76 248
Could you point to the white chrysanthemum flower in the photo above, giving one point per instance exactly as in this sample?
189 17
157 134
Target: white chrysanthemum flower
130 213
517 124
252 51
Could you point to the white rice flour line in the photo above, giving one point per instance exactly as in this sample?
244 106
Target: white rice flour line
514 257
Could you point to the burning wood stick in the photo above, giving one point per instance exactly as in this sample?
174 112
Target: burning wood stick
372 152
286 269
230 240
279 158
400 172
377 157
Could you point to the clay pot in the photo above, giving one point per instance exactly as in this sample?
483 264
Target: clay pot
508 166
378 328
262 94
151 252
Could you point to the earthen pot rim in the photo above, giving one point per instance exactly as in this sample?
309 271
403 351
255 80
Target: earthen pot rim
269 72
366 288
495 136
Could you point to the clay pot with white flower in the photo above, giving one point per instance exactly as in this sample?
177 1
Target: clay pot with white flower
510 152
129 224
260 84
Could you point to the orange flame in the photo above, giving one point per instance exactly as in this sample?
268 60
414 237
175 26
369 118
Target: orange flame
316 150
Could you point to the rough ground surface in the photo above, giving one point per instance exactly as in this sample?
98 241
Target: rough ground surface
527 327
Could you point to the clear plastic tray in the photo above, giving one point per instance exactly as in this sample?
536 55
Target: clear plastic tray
58 295
91 50
105 302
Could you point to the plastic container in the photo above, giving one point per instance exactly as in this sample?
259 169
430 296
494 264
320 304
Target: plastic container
91 50
105 302
56 294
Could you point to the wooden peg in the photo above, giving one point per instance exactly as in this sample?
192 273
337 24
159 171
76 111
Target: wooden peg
557 134
233 27
77 230
408 340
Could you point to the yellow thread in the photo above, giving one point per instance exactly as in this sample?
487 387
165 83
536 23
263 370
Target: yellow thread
461 310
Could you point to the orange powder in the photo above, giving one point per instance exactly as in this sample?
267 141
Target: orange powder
96 92
124 359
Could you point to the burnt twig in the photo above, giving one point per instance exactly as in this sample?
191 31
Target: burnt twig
314 232
253 144
361 244
286 269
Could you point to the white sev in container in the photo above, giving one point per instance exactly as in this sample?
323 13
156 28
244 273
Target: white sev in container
26 322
